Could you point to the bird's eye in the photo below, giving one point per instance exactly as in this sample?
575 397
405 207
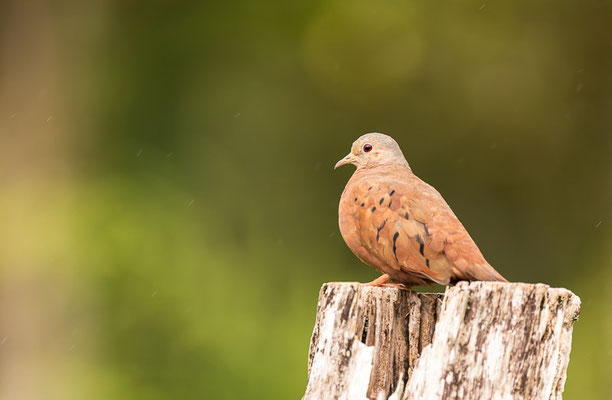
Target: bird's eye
367 147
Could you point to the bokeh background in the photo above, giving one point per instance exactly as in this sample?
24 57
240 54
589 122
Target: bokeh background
168 208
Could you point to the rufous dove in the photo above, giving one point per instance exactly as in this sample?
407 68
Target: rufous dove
400 225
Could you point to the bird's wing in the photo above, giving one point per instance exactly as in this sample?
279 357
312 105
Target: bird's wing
409 226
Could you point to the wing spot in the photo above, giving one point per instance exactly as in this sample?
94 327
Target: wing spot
394 246
392 192
390 201
373 209
355 198
381 200
424 227
407 216
370 188
419 239
379 229
427 262
362 204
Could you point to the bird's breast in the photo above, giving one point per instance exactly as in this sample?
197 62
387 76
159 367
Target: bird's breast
352 208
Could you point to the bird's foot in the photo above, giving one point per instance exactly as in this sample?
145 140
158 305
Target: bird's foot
381 280
396 286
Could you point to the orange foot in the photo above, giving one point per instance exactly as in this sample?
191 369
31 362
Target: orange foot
397 286
380 281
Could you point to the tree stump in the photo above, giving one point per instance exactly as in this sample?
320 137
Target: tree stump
480 340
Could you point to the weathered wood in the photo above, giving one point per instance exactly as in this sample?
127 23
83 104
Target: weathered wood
492 340
367 340
498 341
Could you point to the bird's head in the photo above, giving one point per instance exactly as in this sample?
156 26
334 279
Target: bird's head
372 150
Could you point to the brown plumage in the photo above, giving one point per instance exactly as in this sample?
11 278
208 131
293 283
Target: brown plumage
400 225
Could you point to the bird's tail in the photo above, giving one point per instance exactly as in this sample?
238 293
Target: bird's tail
484 272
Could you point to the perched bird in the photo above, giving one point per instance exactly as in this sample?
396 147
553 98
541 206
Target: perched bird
400 225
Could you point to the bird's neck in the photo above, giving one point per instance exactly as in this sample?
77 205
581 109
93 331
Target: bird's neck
385 167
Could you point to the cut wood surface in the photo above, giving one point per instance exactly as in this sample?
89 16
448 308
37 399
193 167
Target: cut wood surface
484 340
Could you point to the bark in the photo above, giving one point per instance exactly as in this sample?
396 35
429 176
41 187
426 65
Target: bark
485 340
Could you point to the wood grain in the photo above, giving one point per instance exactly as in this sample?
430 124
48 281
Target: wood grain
484 340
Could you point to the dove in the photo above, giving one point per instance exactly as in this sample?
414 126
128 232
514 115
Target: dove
400 225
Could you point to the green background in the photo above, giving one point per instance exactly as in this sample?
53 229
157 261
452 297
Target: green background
168 208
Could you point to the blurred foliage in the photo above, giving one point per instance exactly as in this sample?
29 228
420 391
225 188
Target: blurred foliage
168 204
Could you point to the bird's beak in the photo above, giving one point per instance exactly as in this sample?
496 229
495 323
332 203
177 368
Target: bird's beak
346 160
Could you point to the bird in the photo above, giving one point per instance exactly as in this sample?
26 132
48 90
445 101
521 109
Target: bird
400 225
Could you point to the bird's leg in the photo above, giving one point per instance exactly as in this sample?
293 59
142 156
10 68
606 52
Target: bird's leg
397 286
381 280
